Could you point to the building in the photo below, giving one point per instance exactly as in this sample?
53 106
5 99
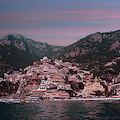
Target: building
73 78
57 80
56 95
117 91
91 88
64 87
88 77
39 92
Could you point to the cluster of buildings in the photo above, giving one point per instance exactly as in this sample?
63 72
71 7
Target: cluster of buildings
55 79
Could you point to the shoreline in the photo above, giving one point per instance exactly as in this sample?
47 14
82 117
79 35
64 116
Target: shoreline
106 99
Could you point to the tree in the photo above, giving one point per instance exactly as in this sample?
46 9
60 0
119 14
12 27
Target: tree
98 93
81 85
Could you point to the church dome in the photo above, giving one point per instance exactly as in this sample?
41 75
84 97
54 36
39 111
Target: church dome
96 79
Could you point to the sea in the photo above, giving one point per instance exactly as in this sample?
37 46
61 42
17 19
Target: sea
62 110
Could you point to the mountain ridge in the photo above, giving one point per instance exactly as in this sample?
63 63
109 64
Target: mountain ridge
97 52
94 51
17 51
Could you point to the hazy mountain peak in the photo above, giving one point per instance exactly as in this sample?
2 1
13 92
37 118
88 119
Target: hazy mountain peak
19 36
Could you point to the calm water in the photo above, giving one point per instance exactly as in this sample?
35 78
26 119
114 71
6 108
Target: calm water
60 111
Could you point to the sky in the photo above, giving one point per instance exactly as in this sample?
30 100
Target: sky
58 22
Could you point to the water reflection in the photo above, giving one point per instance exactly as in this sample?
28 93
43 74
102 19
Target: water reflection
61 111
77 111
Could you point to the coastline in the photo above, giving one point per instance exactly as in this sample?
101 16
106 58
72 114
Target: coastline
107 99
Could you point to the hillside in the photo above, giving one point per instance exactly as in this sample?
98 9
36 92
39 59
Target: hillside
98 52
17 52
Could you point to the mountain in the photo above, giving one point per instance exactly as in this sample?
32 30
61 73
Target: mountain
98 52
33 47
17 51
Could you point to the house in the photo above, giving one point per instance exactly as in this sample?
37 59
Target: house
45 60
45 82
39 92
57 80
62 95
34 76
116 79
117 91
109 87
50 93
45 69
81 74
73 78
64 87
42 88
114 87
55 94
88 77
35 63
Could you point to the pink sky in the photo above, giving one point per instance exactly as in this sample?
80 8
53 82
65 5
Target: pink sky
58 22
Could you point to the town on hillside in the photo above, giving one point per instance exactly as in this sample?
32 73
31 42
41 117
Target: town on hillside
50 79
